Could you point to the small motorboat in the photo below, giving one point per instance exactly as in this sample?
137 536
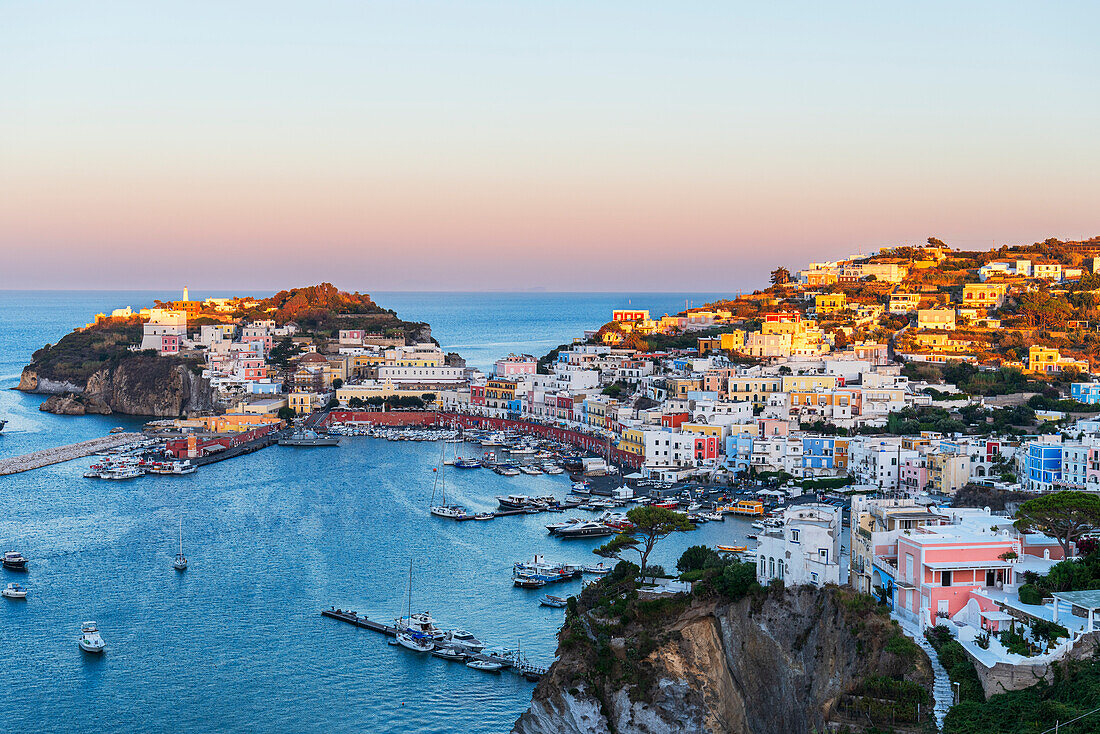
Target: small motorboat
484 516
553 601
14 561
599 569
415 642
449 653
486 665
732 548
90 639
14 591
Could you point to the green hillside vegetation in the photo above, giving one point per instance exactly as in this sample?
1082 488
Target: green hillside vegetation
83 352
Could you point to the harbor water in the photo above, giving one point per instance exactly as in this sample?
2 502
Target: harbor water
237 642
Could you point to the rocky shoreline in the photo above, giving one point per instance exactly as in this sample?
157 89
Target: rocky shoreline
147 386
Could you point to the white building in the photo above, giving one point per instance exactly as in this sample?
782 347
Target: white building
805 550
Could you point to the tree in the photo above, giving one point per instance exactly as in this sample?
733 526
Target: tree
337 384
936 242
698 557
780 276
286 413
1065 516
650 524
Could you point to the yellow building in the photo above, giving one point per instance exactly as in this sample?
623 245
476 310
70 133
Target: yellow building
375 389
754 389
830 303
1043 359
500 389
731 341
703 429
679 387
633 441
303 403
806 383
228 423
984 295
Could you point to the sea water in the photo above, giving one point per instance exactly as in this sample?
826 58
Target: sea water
237 643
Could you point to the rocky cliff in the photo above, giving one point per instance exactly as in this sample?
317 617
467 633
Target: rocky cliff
140 385
799 660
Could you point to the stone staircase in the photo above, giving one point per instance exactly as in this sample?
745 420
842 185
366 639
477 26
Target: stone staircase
943 697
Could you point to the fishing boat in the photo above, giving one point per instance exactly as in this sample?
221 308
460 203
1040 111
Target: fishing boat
180 564
553 601
599 569
515 502
14 561
461 463
528 581
732 548
14 591
449 653
530 471
484 516
487 666
581 488
506 470
90 639
415 642
454 512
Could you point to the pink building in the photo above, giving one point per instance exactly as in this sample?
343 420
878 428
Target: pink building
914 475
267 341
515 365
937 569
170 344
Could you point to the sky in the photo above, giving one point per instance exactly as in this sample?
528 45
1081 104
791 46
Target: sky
514 145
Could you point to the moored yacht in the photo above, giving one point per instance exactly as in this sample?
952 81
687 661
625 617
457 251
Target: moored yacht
414 641
586 529
462 641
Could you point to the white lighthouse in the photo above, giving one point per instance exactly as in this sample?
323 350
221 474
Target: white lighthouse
185 293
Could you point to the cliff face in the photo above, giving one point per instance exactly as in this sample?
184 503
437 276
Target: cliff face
142 385
775 666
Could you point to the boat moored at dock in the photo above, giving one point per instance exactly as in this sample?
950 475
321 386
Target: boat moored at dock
308 439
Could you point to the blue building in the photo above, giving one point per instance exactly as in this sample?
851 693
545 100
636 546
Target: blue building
739 453
817 452
1043 466
1085 392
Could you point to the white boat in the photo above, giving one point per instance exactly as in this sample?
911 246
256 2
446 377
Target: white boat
581 488
530 471
180 564
462 641
758 525
599 569
14 591
90 640
122 472
453 512
412 641
486 665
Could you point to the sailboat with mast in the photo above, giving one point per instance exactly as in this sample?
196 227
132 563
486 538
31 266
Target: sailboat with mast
416 631
454 512
180 563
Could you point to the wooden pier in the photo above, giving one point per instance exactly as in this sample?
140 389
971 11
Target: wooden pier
515 663
60 454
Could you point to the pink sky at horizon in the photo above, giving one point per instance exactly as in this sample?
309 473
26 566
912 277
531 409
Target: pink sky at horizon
494 147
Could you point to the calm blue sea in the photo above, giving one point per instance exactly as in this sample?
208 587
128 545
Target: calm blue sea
237 642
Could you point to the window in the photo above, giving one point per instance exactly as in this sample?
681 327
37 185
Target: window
794 536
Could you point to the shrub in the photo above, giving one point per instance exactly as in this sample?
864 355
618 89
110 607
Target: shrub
1030 594
737 580
698 557
903 647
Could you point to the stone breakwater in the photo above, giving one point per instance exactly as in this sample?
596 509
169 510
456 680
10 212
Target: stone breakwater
56 455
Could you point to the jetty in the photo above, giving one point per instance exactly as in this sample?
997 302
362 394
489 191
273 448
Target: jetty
510 661
59 454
